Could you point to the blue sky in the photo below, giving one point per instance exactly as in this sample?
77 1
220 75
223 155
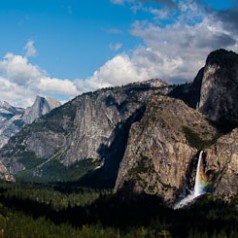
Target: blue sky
62 48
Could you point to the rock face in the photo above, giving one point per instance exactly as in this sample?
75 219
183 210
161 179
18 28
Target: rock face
159 160
138 138
161 147
92 126
190 92
219 98
214 90
222 165
41 106
12 119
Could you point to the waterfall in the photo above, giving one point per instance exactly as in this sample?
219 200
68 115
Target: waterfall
198 187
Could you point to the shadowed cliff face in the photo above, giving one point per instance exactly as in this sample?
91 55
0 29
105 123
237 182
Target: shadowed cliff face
219 98
190 92
214 90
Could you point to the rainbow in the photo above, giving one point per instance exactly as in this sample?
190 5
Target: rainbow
201 182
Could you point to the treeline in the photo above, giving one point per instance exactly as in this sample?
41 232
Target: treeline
30 210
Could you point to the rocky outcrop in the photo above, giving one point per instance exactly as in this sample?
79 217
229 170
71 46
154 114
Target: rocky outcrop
12 119
92 126
219 98
161 146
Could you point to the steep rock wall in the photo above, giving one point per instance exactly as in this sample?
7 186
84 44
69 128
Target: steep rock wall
161 147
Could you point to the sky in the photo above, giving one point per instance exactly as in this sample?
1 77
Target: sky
62 48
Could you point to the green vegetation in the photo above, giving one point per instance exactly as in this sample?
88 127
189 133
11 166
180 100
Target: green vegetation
195 140
54 171
29 159
63 210
143 166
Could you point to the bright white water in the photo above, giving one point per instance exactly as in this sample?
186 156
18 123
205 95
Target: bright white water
198 187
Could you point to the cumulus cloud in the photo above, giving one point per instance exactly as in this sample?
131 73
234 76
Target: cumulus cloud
49 85
174 48
21 81
18 70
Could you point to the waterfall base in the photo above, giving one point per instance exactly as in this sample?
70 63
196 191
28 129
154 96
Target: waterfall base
187 200
199 187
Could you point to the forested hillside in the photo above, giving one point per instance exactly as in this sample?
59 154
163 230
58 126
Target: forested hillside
66 210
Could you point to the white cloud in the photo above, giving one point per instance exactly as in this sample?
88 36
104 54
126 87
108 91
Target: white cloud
17 69
20 82
179 48
57 86
173 50
120 70
30 49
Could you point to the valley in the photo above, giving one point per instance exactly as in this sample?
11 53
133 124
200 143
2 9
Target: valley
116 161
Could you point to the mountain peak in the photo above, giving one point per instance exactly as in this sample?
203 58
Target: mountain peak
219 100
222 57
41 106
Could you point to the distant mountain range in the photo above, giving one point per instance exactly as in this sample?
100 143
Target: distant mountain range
142 137
12 119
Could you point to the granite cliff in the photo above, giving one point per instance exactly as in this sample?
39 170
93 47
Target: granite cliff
214 90
93 127
40 107
142 137
218 97
163 148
